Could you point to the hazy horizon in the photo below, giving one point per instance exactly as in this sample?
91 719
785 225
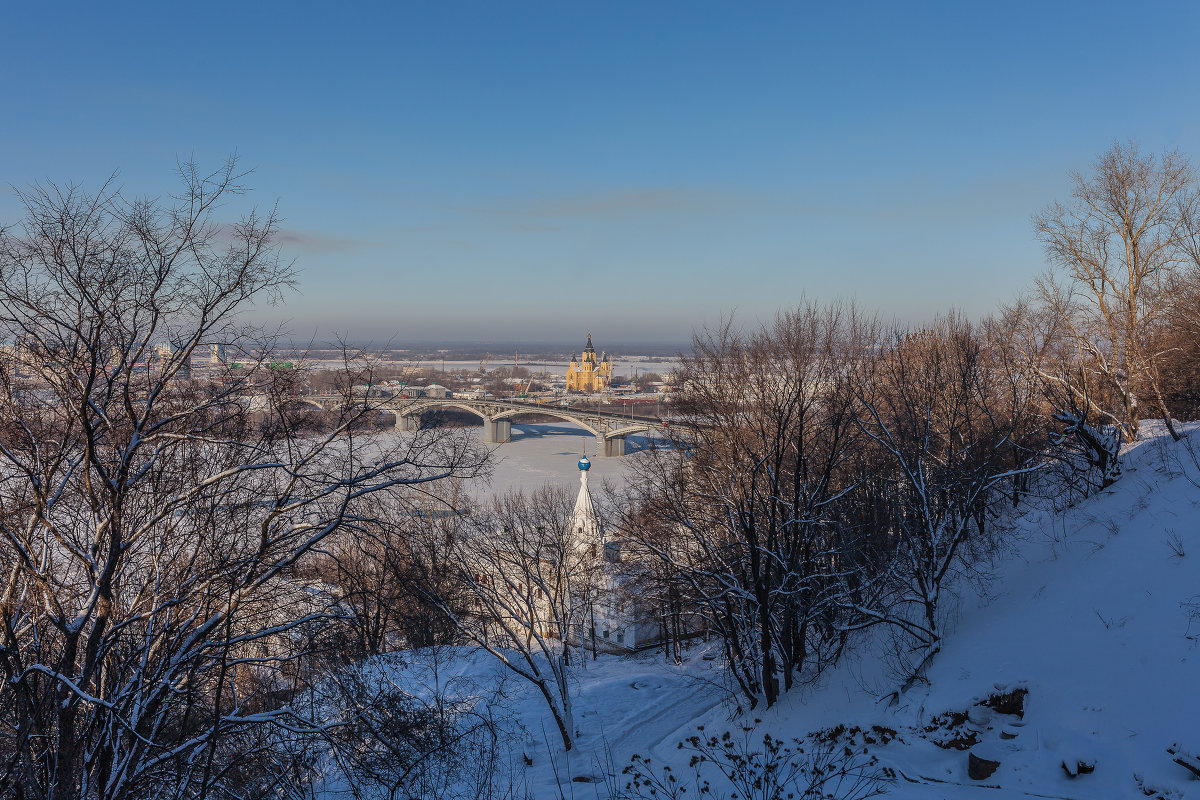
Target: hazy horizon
500 348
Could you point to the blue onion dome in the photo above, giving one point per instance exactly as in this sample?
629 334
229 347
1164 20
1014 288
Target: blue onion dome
584 464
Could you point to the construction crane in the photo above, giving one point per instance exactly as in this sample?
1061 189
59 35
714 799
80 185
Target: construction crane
483 362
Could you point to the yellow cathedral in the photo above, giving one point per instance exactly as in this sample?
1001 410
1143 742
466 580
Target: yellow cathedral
587 374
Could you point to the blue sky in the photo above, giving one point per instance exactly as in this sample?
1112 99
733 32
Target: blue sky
478 171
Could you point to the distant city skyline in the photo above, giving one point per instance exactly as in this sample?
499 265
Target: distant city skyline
470 172
501 349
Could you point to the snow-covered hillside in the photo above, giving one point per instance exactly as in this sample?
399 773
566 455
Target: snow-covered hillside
1091 614
1087 627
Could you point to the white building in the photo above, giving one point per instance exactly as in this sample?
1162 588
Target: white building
581 595
433 390
617 622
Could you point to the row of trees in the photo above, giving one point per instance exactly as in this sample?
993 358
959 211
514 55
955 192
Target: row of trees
834 477
839 475
185 560
1113 322
152 619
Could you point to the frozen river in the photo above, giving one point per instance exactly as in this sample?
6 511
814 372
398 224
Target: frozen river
549 453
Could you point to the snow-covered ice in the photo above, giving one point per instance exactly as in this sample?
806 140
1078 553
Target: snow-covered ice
549 453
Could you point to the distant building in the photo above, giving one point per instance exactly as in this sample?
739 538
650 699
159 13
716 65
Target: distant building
436 390
170 355
411 372
589 374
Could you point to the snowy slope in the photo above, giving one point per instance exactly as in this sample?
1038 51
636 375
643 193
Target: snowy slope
1088 613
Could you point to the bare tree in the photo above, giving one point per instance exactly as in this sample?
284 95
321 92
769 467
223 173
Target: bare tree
653 561
406 729
385 573
533 569
1178 373
749 519
944 425
1113 249
153 516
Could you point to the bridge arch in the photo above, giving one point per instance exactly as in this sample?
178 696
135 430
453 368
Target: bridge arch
630 431
497 415
497 424
423 405
565 416
304 401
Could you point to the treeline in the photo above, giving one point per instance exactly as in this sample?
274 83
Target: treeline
839 475
195 571
156 625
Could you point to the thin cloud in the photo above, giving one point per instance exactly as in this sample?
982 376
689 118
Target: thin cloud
295 238
315 241
612 204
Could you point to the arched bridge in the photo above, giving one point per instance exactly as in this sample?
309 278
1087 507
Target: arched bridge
497 416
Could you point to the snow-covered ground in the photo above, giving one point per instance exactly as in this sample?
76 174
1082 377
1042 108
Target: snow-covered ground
1088 611
549 453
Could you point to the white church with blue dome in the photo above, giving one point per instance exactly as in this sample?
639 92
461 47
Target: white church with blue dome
615 624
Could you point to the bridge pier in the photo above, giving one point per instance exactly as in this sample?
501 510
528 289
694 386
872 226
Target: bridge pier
614 446
498 431
408 422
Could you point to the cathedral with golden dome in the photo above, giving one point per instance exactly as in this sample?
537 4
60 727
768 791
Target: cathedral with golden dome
589 374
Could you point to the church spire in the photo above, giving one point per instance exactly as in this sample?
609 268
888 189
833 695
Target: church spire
589 348
583 520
